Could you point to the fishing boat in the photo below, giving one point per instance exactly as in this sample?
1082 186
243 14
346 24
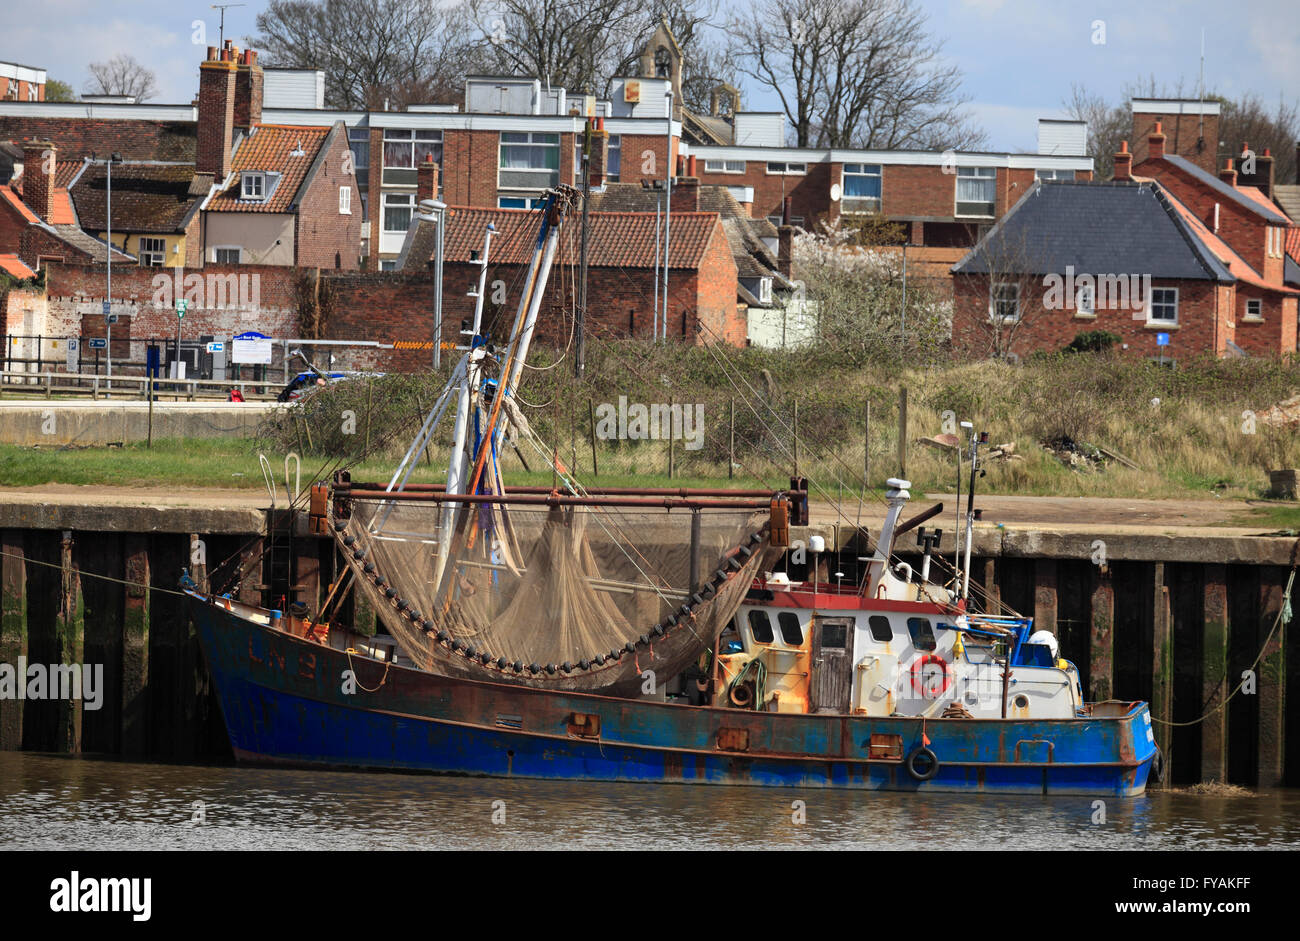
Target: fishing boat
641 634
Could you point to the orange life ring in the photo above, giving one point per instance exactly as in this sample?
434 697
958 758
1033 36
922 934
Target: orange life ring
918 681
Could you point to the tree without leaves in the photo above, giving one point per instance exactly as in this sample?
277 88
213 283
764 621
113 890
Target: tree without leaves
855 73
574 44
121 75
371 51
1246 119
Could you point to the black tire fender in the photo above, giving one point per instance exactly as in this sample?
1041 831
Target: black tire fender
929 763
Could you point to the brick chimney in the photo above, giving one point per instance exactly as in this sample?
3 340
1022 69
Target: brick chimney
1123 163
1228 174
248 90
216 112
1264 174
598 161
38 177
785 250
1156 142
686 194
426 180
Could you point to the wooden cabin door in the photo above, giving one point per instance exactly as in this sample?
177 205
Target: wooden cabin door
832 676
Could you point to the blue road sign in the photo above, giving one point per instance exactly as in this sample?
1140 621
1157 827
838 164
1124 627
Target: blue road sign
106 308
98 343
1162 339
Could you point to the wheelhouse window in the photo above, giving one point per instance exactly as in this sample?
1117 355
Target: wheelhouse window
976 191
761 627
791 629
405 149
1004 303
922 633
152 252
861 187
1163 307
881 630
529 160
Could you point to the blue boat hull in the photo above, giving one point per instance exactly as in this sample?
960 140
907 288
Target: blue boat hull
287 701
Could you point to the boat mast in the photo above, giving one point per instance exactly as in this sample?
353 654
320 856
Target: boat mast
970 507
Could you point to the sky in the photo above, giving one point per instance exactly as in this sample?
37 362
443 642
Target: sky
1019 57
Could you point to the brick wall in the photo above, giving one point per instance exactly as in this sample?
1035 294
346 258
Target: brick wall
1181 133
1204 318
76 294
324 237
469 167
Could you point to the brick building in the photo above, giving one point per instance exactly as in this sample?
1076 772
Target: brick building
621 262
21 82
1166 250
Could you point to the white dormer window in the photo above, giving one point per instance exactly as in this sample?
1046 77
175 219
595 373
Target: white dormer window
345 200
253 186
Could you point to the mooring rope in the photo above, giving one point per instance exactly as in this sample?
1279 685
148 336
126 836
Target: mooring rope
1283 617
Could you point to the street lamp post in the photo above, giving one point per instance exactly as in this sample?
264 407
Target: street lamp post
434 210
668 198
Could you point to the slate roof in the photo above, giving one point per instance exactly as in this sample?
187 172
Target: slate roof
272 148
147 197
1098 228
1287 195
1260 207
67 231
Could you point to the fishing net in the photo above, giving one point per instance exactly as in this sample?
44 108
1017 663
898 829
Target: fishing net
550 585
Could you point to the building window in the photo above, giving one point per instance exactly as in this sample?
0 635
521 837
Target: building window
794 220
365 212
790 169
529 160
724 166
388 264
1085 302
226 256
520 202
253 186
1004 303
976 191
1163 307
397 211
1254 309
861 187
1050 175
613 158
405 150
152 251
345 200
359 144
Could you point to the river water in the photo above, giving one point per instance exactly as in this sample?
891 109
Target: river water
62 802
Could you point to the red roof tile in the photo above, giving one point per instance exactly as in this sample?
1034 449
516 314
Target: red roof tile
10 197
616 239
272 148
13 265
1293 242
1223 251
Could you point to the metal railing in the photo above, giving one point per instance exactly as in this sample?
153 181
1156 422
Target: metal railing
63 384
